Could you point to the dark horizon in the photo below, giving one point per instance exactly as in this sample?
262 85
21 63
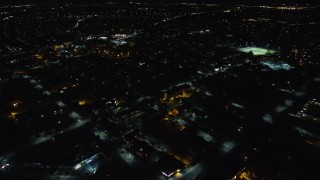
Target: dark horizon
221 2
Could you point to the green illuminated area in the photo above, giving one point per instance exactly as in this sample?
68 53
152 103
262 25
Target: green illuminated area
257 51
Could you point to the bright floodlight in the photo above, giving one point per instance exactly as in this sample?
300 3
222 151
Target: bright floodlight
257 51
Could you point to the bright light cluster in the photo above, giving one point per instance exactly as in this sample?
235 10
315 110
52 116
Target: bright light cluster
277 66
